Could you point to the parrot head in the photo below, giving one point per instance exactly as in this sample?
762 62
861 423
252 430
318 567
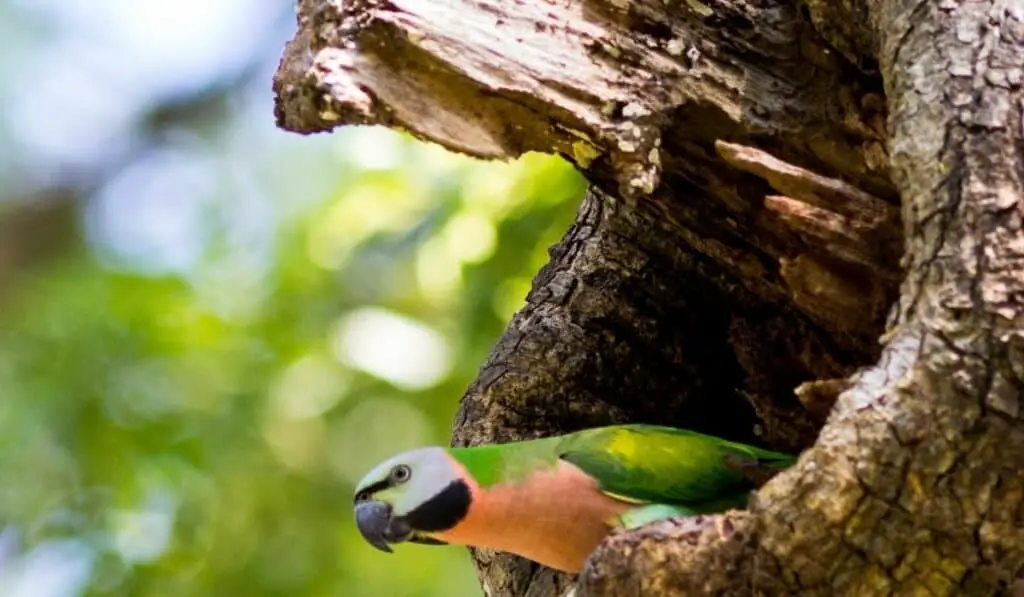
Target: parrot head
411 496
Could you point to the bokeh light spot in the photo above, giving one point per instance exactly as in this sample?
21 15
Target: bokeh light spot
142 536
297 443
53 569
148 218
470 237
308 387
438 272
405 352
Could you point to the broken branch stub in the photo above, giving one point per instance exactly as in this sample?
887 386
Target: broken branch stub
474 77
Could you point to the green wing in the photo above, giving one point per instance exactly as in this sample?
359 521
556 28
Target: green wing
650 464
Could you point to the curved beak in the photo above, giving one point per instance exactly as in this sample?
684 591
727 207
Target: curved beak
379 527
373 518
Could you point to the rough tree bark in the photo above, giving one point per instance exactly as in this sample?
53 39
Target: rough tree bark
804 228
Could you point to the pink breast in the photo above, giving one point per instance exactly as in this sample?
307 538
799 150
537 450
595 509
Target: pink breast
556 517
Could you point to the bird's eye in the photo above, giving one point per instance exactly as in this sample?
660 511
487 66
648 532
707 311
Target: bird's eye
362 496
400 473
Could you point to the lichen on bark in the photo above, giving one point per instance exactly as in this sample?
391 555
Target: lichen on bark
791 204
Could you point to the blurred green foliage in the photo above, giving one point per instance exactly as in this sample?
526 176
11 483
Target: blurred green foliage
248 321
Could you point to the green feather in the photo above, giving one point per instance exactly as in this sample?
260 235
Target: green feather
644 464
500 463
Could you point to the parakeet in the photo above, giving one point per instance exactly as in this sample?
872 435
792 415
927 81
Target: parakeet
552 500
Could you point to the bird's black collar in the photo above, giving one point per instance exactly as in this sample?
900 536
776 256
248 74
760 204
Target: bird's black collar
443 511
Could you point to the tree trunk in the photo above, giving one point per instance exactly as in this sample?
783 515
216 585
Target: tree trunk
738 264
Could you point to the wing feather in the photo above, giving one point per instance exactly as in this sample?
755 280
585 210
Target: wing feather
645 463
